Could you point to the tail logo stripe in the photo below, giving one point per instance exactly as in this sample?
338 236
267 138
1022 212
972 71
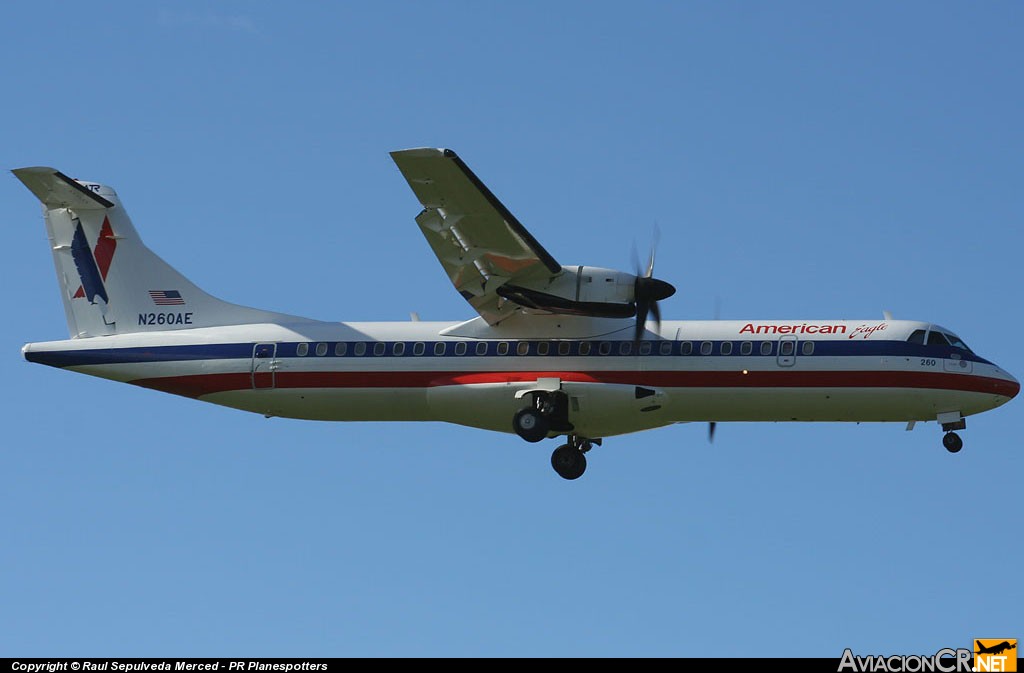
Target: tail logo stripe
96 264
88 272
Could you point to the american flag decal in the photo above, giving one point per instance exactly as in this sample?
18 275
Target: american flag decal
166 297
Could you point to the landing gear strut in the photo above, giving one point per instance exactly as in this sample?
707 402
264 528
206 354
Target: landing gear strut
569 460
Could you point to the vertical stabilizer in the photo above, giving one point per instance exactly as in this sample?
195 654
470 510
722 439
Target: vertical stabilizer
110 282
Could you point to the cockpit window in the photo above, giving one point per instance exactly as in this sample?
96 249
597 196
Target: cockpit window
956 342
917 337
937 339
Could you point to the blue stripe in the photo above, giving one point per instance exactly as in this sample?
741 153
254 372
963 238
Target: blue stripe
88 272
371 349
106 356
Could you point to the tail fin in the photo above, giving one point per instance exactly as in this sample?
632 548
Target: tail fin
111 283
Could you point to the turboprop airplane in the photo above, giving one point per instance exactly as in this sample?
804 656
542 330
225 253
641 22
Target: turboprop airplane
556 351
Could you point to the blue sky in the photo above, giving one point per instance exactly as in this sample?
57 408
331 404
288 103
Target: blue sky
801 160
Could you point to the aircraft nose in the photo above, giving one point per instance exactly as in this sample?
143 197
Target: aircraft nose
1016 386
1008 386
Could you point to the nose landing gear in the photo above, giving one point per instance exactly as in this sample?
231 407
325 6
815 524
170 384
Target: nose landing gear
951 440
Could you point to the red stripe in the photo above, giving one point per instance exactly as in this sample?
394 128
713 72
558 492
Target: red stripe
197 385
105 246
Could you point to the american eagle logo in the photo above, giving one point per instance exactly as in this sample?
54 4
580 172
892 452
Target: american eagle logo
94 264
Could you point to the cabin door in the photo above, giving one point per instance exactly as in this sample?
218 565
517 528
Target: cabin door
787 351
264 365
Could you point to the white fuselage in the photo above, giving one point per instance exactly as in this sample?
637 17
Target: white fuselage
470 373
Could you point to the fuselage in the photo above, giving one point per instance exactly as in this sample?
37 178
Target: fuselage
470 373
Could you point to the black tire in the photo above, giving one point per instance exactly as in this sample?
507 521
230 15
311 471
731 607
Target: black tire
952 442
530 424
569 462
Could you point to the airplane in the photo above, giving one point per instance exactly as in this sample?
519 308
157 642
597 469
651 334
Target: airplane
555 351
998 648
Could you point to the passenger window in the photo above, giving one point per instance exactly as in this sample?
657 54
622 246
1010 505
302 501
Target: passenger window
502 348
523 348
726 348
439 348
937 339
481 348
665 348
807 348
321 349
585 348
564 347
645 348
543 347
625 348
685 348
360 348
916 337
766 348
302 349
419 348
460 348
706 347
399 349
604 349
379 348
340 348
787 347
746 348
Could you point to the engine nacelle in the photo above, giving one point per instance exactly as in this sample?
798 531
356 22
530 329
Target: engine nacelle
579 290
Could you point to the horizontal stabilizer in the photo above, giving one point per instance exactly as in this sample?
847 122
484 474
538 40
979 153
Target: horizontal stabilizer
57 190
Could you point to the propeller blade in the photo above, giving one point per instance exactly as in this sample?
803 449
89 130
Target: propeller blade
654 248
642 307
648 290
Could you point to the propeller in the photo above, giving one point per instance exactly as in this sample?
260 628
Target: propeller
648 291
717 316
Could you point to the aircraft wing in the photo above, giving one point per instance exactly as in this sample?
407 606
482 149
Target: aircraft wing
480 244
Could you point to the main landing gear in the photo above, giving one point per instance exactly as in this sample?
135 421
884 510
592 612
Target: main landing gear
569 460
549 413
530 424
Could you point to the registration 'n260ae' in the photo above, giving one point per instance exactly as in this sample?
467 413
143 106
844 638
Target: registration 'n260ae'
168 318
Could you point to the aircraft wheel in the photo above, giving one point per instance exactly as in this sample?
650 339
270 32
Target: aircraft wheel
952 442
569 462
530 424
